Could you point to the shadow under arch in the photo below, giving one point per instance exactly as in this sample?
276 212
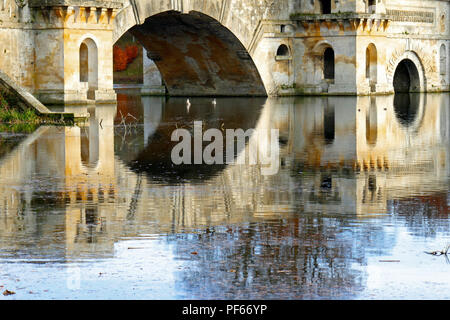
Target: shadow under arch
283 50
406 77
154 160
198 56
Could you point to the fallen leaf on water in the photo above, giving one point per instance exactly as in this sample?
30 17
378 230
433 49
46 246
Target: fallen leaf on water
194 252
232 270
8 293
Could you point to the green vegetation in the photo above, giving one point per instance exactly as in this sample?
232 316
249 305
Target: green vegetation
10 114
287 87
13 116
133 74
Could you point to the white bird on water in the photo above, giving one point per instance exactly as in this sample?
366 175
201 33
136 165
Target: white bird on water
188 105
214 102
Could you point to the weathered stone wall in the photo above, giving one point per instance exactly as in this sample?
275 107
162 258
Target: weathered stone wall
198 56
396 31
59 33
17 43
415 30
40 45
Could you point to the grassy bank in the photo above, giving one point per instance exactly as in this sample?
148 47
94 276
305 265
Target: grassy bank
11 114
15 119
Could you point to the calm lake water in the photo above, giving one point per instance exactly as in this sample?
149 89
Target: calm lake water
99 211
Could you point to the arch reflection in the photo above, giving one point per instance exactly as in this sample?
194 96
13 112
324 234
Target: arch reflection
319 189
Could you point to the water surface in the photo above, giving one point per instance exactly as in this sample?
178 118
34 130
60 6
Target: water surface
99 211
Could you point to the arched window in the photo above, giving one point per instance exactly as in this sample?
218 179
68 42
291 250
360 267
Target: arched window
443 60
325 6
84 63
406 77
283 50
89 66
328 63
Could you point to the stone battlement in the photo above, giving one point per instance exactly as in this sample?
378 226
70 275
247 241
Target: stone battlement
113 4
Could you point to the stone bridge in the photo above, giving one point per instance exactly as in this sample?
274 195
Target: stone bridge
61 50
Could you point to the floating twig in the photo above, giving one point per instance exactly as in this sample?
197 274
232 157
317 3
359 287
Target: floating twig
439 253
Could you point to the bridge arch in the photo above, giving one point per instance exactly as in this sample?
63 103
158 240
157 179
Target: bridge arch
197 50
283 51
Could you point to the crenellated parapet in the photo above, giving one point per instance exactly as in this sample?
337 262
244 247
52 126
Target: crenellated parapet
342 22
110 4
74 14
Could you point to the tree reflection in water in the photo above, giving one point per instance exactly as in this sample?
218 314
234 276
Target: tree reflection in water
351 168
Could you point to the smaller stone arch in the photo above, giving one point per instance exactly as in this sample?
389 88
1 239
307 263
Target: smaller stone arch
283 51
88 66
410 62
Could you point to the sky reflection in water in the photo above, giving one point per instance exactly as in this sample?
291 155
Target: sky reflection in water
361 193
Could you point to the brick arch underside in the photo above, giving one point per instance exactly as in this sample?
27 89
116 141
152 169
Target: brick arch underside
197 56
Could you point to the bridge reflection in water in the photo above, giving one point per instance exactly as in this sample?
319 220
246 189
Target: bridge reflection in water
76 192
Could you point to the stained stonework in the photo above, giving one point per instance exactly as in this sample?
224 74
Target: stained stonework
391 27
42 41
236 53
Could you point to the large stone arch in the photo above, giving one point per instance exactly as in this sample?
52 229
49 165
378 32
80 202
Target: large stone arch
208 26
